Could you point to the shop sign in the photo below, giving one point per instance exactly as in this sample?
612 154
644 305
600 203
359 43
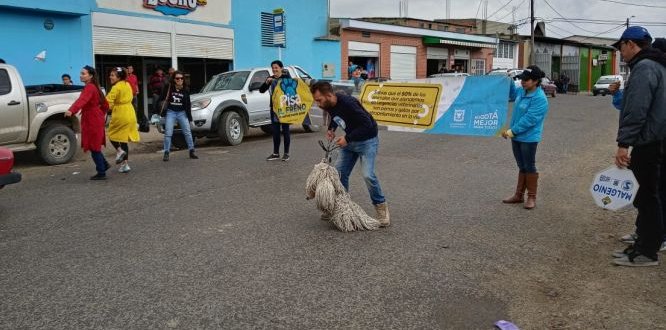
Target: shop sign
174 7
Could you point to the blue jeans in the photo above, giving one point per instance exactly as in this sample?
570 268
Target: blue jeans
367 152
183 122
525 154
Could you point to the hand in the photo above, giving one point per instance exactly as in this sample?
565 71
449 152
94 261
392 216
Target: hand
269 80
341 142
330 135
507 134
614 87
622 158
68 113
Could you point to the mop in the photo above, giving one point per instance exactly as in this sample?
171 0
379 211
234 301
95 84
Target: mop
324 186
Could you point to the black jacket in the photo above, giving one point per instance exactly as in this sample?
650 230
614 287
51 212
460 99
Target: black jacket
643 115
359 124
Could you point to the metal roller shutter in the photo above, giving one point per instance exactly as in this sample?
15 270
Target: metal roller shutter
403 62
363 49
204 47
114 41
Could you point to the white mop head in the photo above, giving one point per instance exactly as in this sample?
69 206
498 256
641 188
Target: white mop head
323 184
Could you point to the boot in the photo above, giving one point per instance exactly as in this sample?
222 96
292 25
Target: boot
383 215
166 156
531 180
193 155
519 196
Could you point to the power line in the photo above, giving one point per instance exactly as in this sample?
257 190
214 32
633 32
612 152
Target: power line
498 10
634 4
558 13
511 12
609 31
477 9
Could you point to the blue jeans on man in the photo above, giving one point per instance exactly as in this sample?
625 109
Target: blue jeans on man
171 118
366 152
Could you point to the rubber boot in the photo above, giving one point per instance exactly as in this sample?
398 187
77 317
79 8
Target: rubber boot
519 196
383 215
532 182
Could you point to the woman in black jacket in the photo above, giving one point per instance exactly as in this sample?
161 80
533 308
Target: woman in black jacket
177 107
269 85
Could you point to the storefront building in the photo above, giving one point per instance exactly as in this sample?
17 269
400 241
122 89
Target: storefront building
46 39
402 52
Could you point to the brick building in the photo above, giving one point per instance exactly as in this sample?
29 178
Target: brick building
408 52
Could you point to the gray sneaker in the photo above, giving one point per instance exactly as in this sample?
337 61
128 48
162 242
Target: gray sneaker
623 253
636 259
663 247
629 238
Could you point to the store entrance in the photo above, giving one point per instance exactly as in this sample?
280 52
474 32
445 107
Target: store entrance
369 64
436 66
460 66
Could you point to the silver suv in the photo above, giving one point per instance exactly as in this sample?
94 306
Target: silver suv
231 103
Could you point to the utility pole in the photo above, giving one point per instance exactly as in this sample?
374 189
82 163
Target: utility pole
627 22
532 59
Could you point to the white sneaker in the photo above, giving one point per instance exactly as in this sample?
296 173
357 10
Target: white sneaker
124 169
120 155
629 238
663 247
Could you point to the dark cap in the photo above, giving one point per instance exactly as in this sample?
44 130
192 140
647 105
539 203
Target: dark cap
633 33
532 72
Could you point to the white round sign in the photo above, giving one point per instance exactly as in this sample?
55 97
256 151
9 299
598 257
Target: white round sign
614 188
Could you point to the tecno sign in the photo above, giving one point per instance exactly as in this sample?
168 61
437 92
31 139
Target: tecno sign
174 7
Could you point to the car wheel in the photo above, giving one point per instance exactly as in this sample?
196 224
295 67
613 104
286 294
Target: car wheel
308 128
56 144
268 129
178 141
603 93
231 128
594 93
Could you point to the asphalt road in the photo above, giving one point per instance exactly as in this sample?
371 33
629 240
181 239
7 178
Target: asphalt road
229 241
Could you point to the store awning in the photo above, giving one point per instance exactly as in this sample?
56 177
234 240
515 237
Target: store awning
442 41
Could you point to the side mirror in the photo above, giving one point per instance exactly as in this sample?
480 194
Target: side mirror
255 86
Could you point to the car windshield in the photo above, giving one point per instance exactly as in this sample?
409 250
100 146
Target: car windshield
227 81
606 81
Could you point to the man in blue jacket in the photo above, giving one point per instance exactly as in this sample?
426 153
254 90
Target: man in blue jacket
643 127
359 142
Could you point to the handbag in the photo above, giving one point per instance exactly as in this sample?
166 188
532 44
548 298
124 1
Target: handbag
164 103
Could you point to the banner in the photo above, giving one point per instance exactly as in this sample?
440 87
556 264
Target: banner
472 105
614 188
292 100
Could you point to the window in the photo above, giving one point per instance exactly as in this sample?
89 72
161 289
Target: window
365 34
302 74
504 50
260 76
5 83
227 81
478 67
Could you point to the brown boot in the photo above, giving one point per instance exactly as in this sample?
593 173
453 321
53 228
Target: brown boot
532 180
383 215
519 196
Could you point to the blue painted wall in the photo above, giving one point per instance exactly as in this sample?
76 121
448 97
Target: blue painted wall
305 20
68 45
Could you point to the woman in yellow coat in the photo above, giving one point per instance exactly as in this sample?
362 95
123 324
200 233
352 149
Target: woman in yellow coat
123 126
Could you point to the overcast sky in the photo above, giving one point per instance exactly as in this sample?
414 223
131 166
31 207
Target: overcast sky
569 9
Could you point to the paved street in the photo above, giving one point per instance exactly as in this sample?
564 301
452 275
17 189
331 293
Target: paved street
229 241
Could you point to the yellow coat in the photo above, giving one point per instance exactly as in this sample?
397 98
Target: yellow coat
123 126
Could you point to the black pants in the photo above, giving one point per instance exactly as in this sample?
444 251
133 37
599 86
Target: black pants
647 164
284 130
121 145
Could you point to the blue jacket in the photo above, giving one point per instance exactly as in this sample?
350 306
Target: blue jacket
617 99
529 113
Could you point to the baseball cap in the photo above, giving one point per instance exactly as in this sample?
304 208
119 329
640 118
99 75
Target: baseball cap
532 72
659 43
633 33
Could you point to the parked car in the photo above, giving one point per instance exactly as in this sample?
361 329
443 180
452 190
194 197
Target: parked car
601 86
508 72
450 74
230 103
549 87
32 117
6 164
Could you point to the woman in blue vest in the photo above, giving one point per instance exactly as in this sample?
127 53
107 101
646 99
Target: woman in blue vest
529 113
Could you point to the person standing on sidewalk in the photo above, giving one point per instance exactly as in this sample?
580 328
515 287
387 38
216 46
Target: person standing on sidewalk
93 106
643 127
277 127
360 141
176 95
122 128
529 113
140 116
155 85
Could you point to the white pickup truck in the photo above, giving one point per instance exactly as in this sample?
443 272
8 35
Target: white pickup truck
231 103
32 117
